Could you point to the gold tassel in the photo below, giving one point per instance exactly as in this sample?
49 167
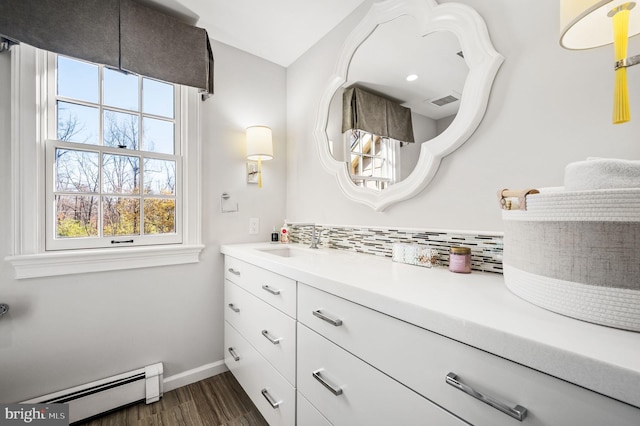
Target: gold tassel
259 172
621 112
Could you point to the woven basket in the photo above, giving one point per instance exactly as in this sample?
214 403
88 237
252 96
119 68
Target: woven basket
576 253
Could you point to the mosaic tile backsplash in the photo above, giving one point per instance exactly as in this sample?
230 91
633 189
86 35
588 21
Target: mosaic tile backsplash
486 249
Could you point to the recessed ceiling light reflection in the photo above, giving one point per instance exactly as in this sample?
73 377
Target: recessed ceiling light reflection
412 77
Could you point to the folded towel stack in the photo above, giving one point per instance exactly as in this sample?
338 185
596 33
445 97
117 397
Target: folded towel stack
602 173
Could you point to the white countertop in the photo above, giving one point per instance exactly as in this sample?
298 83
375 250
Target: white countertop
476 309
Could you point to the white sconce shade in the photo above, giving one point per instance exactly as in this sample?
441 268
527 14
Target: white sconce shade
585 24
259 148
259 143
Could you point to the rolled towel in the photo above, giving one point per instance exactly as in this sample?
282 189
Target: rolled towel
602 173
551 189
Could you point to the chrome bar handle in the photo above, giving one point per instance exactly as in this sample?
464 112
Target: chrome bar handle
333 321
269 398
233 307
233 354
271 290
334 389
233 271
518 412
265 333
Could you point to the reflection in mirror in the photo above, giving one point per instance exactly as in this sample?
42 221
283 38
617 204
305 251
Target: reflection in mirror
423 73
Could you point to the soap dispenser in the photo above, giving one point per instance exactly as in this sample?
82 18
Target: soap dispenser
284 233
275 236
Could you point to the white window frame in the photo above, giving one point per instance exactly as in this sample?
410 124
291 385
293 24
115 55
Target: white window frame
29 113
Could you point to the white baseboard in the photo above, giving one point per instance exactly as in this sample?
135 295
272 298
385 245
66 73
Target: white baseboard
194 375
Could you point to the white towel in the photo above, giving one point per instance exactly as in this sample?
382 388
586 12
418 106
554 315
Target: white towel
602 173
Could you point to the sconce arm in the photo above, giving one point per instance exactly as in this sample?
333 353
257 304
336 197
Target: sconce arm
627 62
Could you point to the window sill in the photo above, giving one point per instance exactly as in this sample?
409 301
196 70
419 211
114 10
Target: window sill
98 260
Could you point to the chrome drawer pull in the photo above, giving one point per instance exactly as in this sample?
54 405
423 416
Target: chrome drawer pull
334 390
233 354
271 290
233 271
518 412
233 307
265 333
333 321
269 398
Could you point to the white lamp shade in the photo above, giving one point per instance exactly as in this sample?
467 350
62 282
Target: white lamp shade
259 145
584 24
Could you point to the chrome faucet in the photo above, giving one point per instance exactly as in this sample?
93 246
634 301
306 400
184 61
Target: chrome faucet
315 239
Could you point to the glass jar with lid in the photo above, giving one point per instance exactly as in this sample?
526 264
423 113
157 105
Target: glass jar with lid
460 260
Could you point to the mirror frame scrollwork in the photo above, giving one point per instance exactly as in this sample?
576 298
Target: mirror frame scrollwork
483 62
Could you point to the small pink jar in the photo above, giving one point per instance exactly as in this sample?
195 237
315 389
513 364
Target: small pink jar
460 260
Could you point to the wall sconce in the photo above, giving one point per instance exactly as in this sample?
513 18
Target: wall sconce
259 148
585 24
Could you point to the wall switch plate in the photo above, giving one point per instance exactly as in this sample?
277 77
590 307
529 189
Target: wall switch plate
254 225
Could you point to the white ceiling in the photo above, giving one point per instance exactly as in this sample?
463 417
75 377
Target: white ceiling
282 30
395 50
277 30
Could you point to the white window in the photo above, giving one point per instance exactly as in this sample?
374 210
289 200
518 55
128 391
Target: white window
372 159
112 156
105 168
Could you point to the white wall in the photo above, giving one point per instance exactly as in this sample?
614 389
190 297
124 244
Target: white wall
549 107
424 129
68 330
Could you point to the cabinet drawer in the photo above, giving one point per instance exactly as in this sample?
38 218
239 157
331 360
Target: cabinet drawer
269 391
270 331
274 289
307 415
354 393
422 360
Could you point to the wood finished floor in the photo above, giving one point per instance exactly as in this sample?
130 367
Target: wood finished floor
218 400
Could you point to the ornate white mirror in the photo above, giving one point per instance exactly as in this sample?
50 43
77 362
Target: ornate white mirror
448 51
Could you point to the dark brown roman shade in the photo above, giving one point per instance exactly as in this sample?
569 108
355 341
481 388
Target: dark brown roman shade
372 113
122 34
84 29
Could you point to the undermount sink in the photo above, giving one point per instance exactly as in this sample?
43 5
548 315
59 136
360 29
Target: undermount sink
288 251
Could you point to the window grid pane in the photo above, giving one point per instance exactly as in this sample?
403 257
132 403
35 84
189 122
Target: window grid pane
120 216
77 123
76 216
76 171
121 129
159 177
120 90
77 79
160 216
120 174
157 98
158 135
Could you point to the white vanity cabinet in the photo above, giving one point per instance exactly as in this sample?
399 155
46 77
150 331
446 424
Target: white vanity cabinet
484 390
315 344
260 337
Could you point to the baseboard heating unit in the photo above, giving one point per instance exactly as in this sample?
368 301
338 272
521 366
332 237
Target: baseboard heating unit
88 400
